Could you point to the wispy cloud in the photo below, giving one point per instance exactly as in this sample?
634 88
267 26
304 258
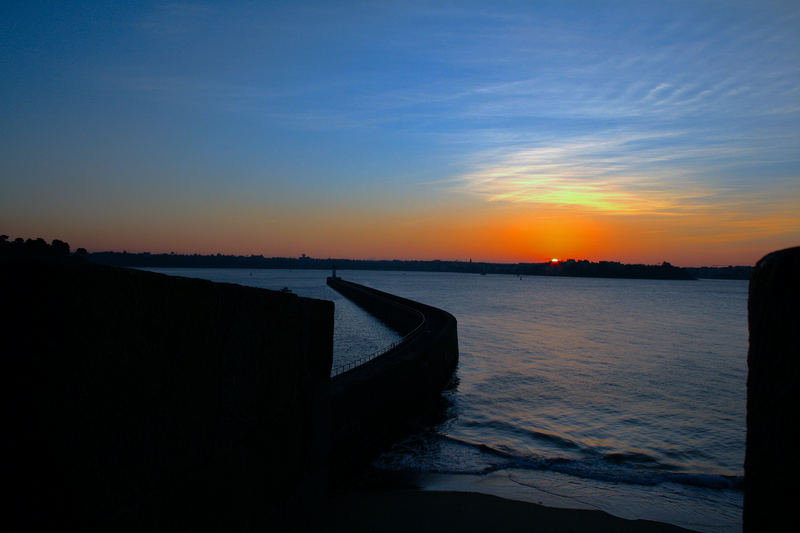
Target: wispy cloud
615 173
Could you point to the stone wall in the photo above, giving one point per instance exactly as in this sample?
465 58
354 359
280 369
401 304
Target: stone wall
385 399
139 401
390 309
772 463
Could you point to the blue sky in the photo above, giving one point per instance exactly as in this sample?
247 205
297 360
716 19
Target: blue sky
256 124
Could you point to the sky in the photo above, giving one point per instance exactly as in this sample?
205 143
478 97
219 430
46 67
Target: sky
634 131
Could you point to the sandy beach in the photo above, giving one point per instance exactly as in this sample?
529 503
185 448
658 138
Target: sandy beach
404 510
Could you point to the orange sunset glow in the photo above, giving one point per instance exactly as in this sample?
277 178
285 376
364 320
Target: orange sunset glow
550 144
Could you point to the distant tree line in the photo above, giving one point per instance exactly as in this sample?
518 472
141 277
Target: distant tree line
39 250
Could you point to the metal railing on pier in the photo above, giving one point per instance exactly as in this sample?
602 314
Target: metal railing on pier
341 369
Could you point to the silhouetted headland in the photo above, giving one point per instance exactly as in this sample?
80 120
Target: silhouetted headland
570 267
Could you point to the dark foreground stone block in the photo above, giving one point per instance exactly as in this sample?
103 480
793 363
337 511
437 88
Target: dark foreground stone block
138 401
772 462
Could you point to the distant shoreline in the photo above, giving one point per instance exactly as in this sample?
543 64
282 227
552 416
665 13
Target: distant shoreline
569 268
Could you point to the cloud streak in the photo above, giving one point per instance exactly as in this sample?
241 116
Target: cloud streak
614 173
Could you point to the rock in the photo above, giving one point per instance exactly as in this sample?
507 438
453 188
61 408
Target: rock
772 462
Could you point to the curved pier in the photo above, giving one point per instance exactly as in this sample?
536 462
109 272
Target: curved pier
386 398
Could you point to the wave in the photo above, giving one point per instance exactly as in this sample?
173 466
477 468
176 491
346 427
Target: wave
464 457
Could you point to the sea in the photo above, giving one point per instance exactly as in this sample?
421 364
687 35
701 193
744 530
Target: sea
626 396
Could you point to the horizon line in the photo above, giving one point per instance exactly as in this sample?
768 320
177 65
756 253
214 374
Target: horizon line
467 261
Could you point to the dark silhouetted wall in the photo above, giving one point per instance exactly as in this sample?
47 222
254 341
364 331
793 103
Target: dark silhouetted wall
772 462
139 401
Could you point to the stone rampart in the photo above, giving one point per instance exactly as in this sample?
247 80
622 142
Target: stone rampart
139 401
390 396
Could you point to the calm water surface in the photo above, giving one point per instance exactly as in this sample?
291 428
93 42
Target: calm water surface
621 395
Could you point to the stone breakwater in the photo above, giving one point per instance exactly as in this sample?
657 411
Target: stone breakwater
376 403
